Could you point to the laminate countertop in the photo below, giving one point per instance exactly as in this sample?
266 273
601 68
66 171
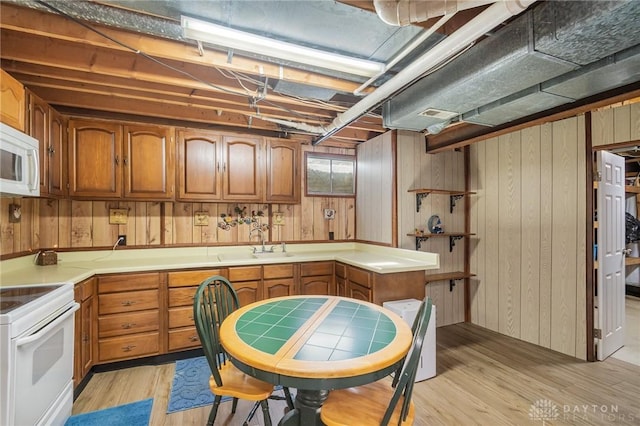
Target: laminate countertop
80 265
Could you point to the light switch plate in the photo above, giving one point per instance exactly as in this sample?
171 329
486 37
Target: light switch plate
118 216
201 219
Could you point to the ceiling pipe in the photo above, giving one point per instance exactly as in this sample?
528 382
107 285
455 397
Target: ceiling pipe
484 22
404 12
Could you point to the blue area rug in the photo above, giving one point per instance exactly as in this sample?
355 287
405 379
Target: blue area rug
134 414
190 387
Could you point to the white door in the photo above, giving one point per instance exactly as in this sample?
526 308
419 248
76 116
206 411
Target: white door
609 303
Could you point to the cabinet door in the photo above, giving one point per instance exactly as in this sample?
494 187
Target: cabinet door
148 163
57 155
199 165
84 355
341 286
359 292
320 285
283 171
242 170
12 99
247 291
95 156
38 127
278 288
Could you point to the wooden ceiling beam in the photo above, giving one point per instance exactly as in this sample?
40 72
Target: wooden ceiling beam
55 27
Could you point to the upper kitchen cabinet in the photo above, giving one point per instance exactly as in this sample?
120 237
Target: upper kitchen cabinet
95 157
283 171
148 163
49 128
241 168
199 165
12 101
107 161
216 167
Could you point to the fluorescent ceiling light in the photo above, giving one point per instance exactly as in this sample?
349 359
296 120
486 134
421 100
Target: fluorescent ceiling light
196 29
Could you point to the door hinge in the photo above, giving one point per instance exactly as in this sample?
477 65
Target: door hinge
597 333
598 176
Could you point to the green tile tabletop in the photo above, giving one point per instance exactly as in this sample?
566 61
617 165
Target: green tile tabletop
315 336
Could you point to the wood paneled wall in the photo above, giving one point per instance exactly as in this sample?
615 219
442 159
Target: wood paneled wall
417 169
618 124
376 193
48 223
530 223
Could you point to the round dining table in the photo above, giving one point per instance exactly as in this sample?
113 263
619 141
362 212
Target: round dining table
315 344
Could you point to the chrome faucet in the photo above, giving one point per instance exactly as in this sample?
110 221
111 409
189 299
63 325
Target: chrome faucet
261 233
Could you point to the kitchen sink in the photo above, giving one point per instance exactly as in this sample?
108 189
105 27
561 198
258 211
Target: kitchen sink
269 254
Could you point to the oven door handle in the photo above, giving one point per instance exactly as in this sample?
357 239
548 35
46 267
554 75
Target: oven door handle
48 327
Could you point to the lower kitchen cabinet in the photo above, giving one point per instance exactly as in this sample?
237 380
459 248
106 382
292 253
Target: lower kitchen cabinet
278 280
128 316
85 329
379 288
317 278
182 289
247 282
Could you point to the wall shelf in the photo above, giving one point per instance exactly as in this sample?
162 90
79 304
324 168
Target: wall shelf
452 277
453 237
454 196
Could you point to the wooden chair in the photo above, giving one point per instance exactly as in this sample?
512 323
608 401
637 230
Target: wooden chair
379 403
215 299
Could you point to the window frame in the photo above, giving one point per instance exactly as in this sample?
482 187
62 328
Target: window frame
321 155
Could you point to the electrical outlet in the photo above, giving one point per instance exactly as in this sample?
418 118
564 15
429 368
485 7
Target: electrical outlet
122 240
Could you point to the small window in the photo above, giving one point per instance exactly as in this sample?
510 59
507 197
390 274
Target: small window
330 175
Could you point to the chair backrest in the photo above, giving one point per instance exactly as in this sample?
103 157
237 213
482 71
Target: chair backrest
405 378
215 299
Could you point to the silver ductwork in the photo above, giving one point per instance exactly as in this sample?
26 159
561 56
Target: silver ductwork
405 12
549 56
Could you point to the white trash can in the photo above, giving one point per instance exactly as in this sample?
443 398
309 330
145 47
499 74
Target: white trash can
407 309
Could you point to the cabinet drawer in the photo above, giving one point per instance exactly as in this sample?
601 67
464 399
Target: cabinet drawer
129 323
182 296
183 338
85 290
341 270
360 276
181 317
189 278
277 271
316 268
132 346
246 273
128 282
129 301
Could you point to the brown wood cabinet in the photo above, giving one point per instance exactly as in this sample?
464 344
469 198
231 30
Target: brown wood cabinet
317 278
105 164
341 279
49 128
282 171
247 282
85 329
199 165
212 166
242 168
278 280
128 316
182 289
12 102
378 288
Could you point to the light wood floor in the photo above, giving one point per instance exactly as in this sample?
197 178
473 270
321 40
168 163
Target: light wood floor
630 352
482 378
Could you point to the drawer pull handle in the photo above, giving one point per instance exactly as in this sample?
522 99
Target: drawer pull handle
128 348
128 325
128 302
194 338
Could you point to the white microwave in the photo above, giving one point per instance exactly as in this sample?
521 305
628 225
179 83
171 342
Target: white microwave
19 163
